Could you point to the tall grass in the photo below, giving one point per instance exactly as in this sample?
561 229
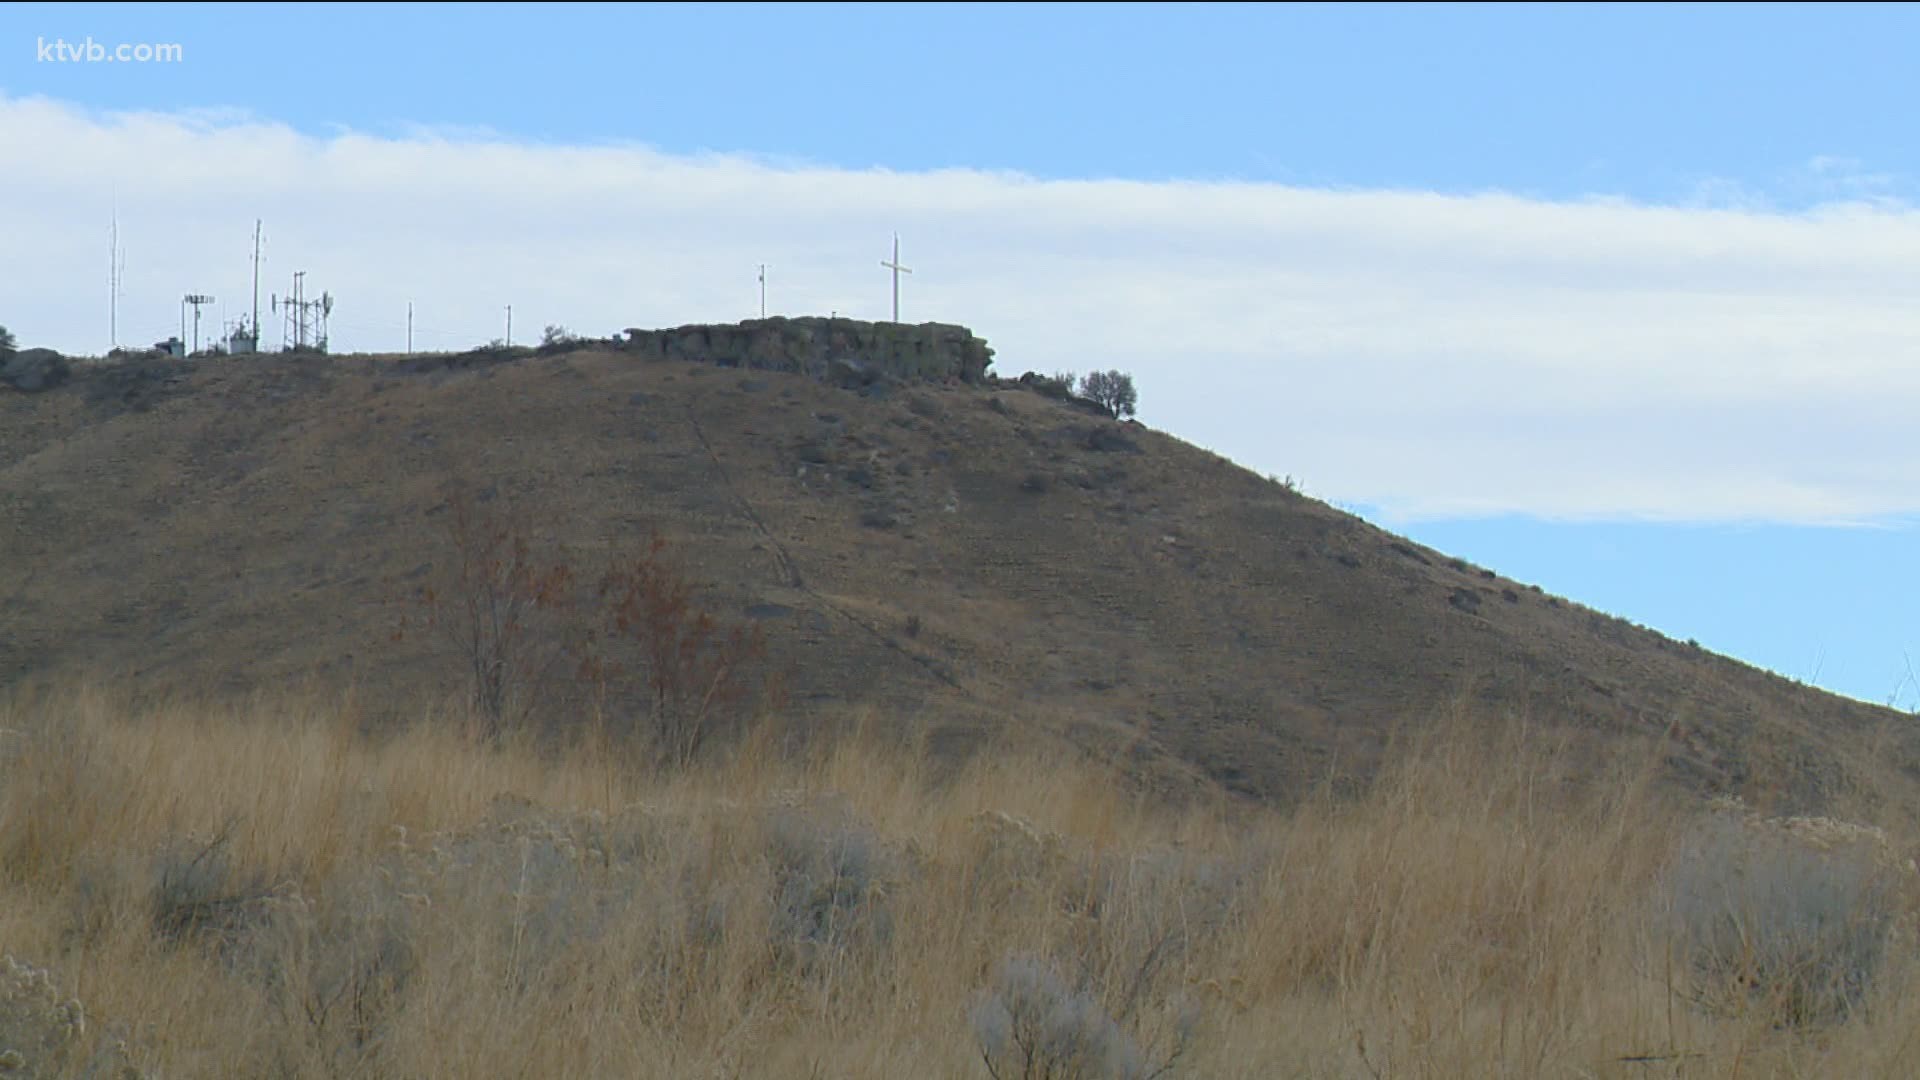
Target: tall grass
265 891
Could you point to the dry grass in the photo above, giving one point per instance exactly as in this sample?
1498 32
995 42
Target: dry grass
263 891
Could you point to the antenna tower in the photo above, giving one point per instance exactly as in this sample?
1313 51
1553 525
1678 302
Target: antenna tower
306 320
116 273
255 327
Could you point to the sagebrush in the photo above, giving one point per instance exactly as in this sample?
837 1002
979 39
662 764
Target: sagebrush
270 890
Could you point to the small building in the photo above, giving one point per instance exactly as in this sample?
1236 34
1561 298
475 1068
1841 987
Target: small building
173 346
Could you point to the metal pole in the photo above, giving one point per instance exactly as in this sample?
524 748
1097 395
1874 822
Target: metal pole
299 310
113 280
509 326
256 284
409 328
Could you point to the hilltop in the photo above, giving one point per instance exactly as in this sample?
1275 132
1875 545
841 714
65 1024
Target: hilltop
927 545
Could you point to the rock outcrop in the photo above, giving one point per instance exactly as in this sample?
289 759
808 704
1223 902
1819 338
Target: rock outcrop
33 370
842 350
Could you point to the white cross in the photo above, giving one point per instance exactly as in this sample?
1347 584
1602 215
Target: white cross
897 271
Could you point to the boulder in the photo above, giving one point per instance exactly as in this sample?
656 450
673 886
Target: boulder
34 370
848 373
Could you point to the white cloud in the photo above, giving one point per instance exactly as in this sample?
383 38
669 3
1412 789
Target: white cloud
1422 353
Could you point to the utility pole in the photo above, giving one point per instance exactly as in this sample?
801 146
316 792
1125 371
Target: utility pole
197 300
509 326
763 290
409 328
897 271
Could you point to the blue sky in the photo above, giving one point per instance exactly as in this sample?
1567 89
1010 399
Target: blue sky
1613 299
1656 102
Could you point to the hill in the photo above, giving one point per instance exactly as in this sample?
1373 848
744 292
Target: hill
956 555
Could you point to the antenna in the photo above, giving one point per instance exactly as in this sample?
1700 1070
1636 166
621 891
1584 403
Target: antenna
256 281
763 290
116 268
306 322
296 313
198 301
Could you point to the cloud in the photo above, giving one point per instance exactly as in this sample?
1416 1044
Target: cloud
1424 354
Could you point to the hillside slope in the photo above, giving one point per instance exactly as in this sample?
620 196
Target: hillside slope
953 556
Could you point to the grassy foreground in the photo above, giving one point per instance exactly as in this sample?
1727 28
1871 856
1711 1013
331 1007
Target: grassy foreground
264 891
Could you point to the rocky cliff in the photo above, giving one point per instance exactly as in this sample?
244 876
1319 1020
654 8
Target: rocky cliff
831 348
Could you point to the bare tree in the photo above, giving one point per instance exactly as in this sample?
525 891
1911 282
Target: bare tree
693 668
498 608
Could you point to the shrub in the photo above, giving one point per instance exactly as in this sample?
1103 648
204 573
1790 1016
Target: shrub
692 668
334 966
923 407
35 1024
1033 1027
1112 391
43 1035
488 608
197 893
831 877
556 337
7 342
1770 918
1059 387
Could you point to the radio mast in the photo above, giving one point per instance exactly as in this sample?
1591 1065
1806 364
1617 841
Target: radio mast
256 280
116 271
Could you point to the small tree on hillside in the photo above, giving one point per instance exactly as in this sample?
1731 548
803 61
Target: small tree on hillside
6 341
691 667
498 608
1112 391
641 644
